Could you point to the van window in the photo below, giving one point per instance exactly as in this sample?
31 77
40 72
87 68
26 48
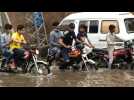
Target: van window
105 26
129 23
83 23
93 26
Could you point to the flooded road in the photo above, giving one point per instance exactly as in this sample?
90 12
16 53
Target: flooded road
100 78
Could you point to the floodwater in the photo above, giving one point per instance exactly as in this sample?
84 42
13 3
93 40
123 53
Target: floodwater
100 78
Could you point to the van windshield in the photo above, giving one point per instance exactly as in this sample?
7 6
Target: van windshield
67 22
129 23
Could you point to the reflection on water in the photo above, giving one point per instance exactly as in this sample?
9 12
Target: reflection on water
108 78
98 78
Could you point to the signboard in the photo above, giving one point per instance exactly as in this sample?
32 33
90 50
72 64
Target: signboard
39 22
38 19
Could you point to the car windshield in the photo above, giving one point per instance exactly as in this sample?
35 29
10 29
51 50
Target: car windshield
129 23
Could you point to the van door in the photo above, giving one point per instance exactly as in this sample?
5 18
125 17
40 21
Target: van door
105 29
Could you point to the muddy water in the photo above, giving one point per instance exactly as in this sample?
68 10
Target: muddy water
100 78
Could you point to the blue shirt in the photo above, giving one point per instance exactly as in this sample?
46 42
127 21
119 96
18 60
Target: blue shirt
54 38
4 40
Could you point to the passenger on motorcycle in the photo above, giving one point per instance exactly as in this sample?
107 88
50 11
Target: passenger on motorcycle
18 41
54 46
66 42
82 36
5 40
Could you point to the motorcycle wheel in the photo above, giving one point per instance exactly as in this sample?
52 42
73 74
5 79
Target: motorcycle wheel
87 67
43 69
101 63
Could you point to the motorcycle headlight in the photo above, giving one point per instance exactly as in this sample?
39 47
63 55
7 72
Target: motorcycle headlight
37 51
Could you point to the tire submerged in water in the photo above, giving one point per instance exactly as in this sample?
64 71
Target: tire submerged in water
43 69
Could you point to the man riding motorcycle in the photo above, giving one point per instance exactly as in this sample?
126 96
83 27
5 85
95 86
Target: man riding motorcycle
82 37
18 41
54 46
66 42
5 40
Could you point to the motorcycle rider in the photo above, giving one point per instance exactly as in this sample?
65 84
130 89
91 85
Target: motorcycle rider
111 37
82 36
54 46
5 40
18 41
66 42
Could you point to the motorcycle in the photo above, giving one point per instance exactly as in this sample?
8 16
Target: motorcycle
29 63
78 59
123 57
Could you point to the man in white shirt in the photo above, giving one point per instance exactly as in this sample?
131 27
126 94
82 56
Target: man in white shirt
111 43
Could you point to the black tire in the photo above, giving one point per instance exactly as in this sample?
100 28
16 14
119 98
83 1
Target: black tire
43 69
101 63
89 66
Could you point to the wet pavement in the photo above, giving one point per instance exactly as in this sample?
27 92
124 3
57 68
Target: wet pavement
100 78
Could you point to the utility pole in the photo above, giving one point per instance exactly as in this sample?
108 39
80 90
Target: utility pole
44 28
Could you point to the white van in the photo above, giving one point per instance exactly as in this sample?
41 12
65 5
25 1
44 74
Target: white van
98 25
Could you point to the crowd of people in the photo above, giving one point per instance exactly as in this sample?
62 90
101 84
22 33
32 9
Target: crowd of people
60 42
63 38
